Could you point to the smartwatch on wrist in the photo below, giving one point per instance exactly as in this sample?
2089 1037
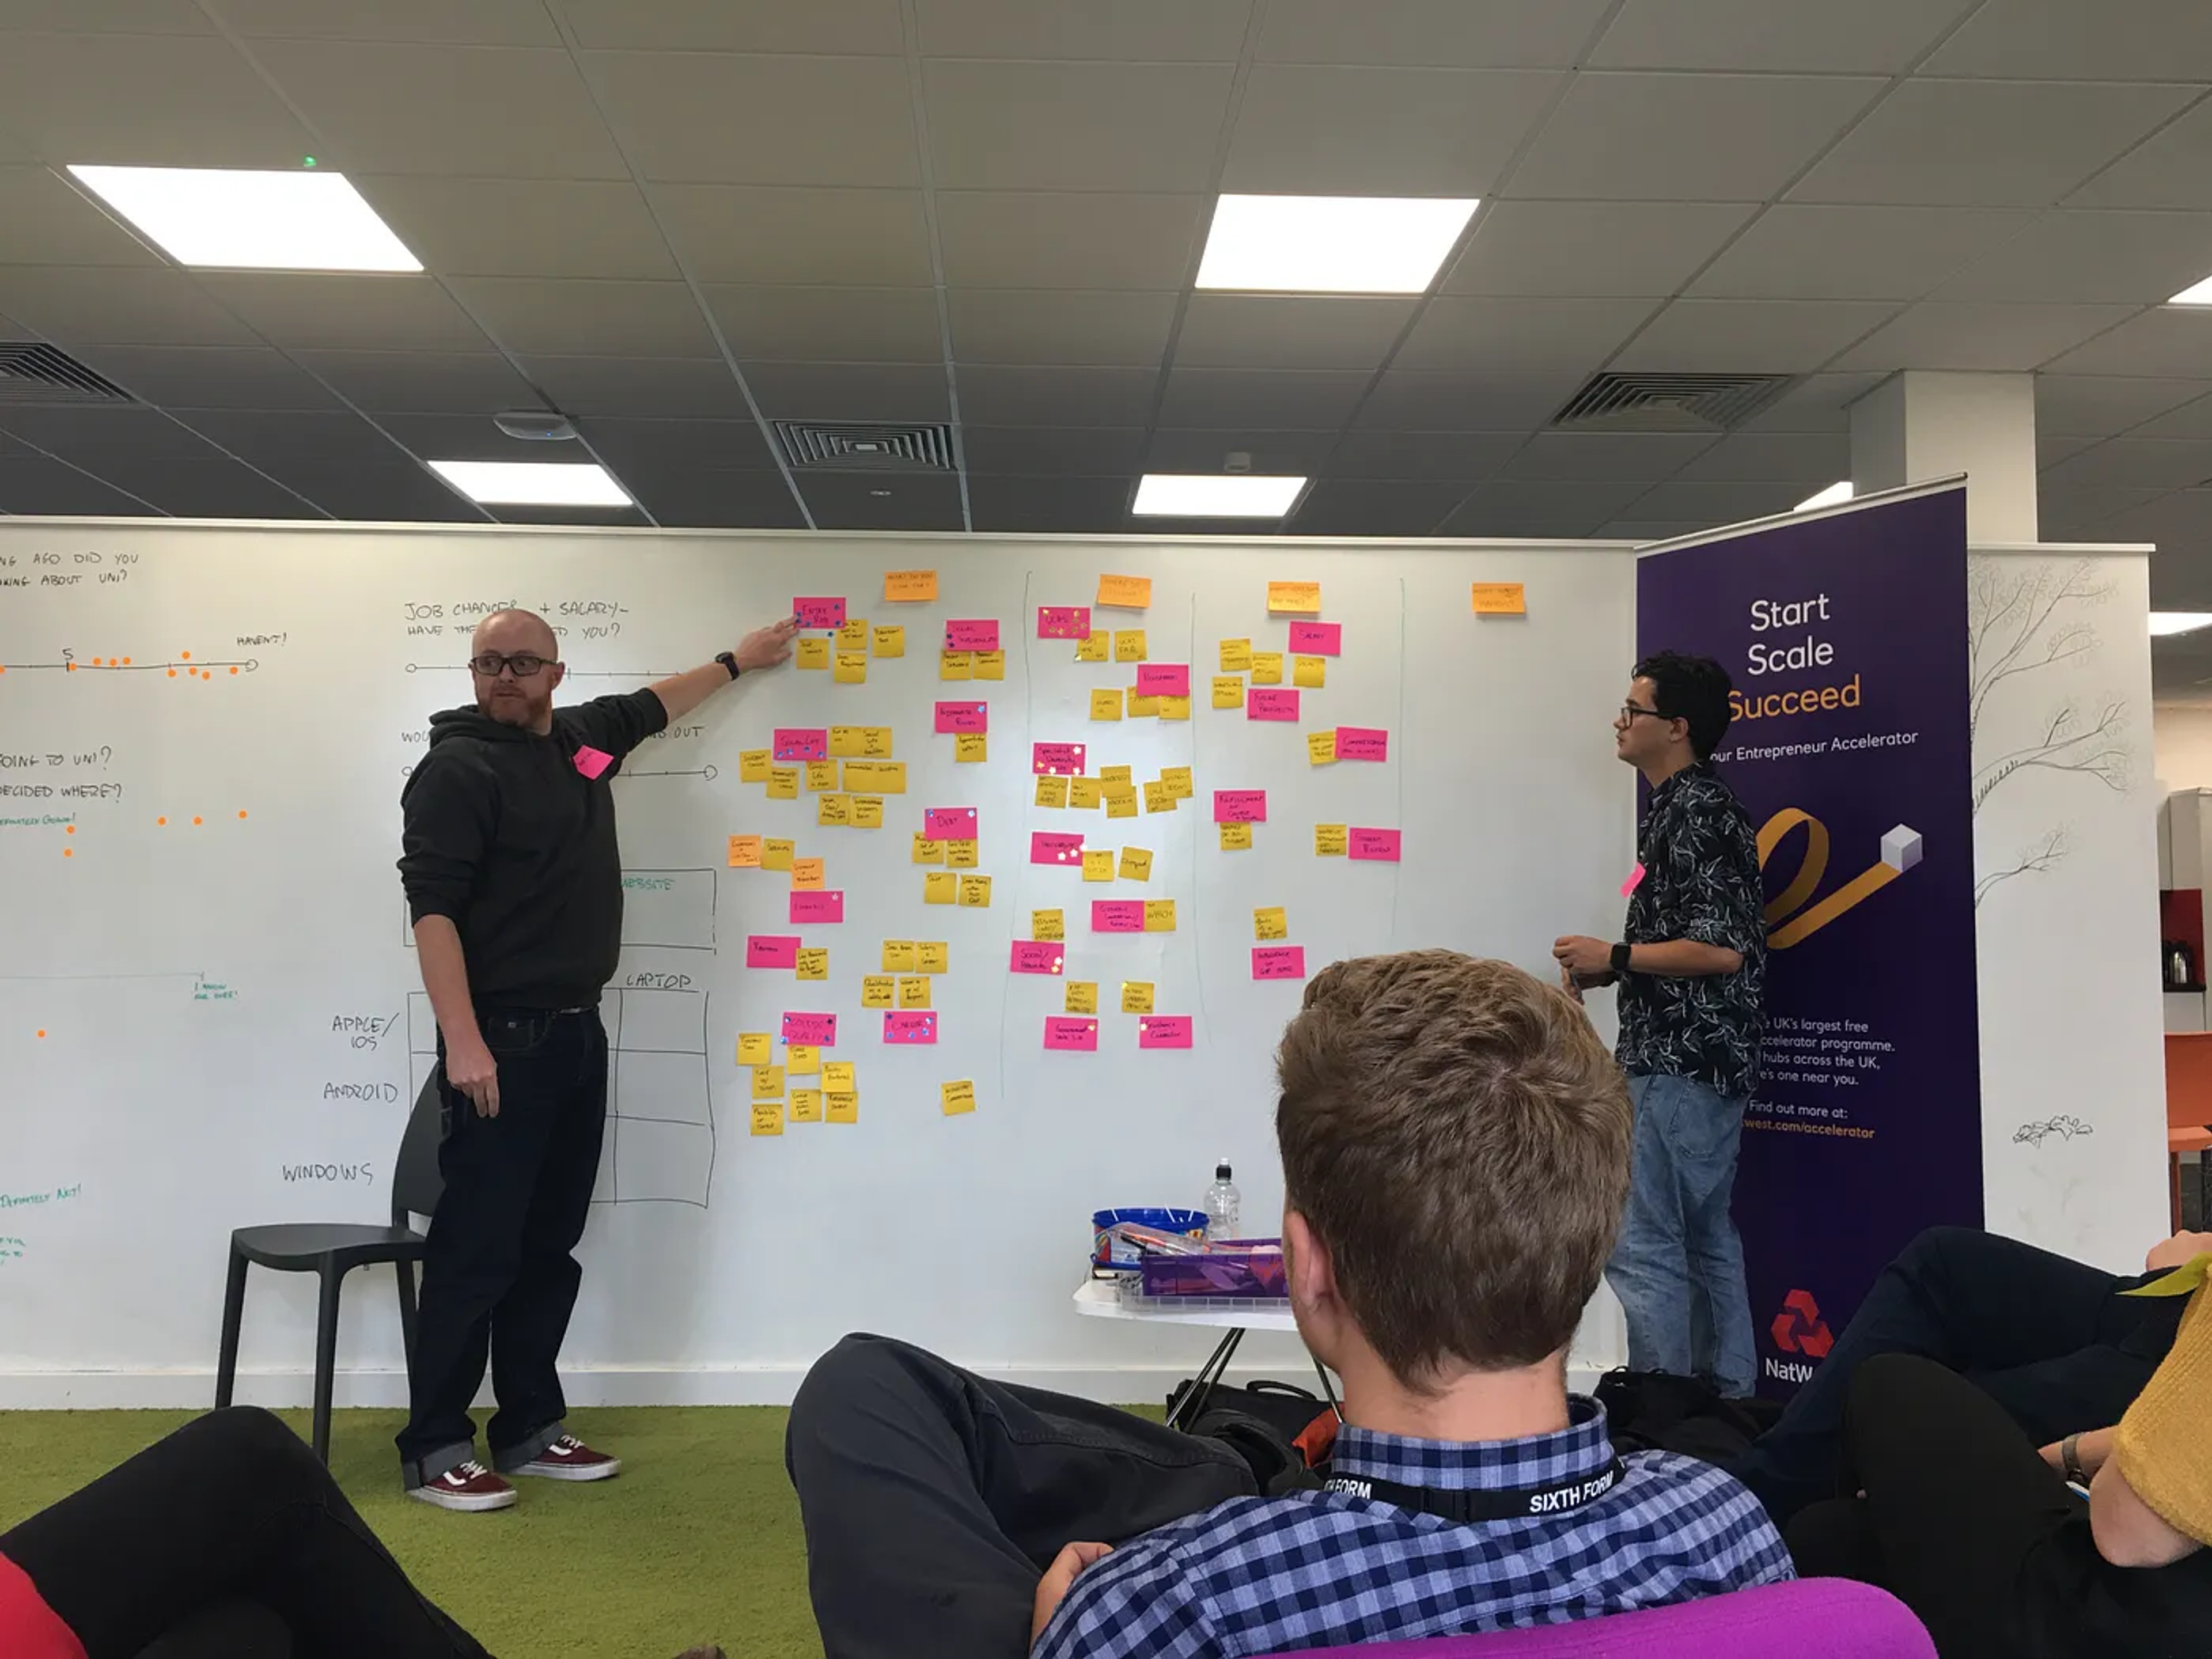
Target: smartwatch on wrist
2069 1455
1620 958
729 660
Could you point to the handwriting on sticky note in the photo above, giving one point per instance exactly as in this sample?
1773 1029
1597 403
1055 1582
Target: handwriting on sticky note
1143 705
1049 926
1634 880
1228 692
927 851
1052 792
1136 996
1318 639
756 1049
1500 599
971 748
1098 865
1123 805
1084 794
821 775
1174 708
1267 668
842 1105
1164 679
768 1117
975 892
592 762
1136 863
772 950
1158 798
1378 846
813 962
1106 703
777 855
1240 806
887 640
899 955
837 1074
753 765
1046 848
1031 956
876 990
932 956
1125 593
1129 645
940 887
1236 837
962 854
1235 656
878 776
956 664
1330 840
818 1029
910 1025
1320 748
802 1059
1279 962
867 811
1117 915
971 635
1159 915
1071 1034
1273 922
834 809
809 875
852 668
1082 997
1178 781
854 636
990 665
913 992
846 742
909 586
948 823
1099 648
1063 622
813 654
819 613
1112 775
957 1098
817 909
783 783
806 1105
744 852
802 743
1064 759
1267 704
1290 597
1362 743
1163 1032
768 1082
1308 671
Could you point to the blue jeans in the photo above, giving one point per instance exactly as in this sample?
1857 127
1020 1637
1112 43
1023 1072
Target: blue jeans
1678 1268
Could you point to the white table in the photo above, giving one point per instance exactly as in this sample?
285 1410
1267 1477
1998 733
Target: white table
1101 1298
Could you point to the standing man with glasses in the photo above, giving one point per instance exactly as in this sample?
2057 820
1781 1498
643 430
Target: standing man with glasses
514 882
1692 969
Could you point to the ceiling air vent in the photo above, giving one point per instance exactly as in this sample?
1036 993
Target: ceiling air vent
867 446
1669 402
33 374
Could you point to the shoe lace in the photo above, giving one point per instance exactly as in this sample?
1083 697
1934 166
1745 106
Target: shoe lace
461 1474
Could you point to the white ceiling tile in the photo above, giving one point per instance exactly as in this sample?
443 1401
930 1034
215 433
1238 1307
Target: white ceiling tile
209 377
2100 406
1430 34
397 490
2174 341
1075 125
1365 453
1207 449
2144 463
1048 451
1869 36
1289 399
1774 457
1520 336
1797 250
1368 506
1991 336
2172 170
830 325
342 312
2064 40
865 27
552 319
1818 402
1688 137
666 386
1764 337
1986 144
699 118
86 304
478 382
1069 239
1018 394
1470 400
170 100
51 223
1130 31
778 235
850 391
422 22
1250 330
1367 131
1059 325
1718 502
2123 258
521 227
493 111
1566 250
1622 455
105 16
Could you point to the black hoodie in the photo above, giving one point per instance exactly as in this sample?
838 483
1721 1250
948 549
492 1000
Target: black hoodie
505 835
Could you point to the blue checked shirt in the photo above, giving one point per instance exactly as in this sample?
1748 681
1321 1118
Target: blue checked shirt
1319 1569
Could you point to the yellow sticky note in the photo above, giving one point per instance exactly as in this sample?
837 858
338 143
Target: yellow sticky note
1293 597
876 743
876 990
854 636
767 1083
1159 917
1144 706
990 665
962 854
1236 837
956 664
821 775
814 962
1273 922
802 1059
833 810
1228 692
756 1049
842 1105
898 955
971 746
1051 925
1098 866
846 741
744 852
1267 668
1174 708
768 1117
837 1074
957 1097
1158 798
806 1105
1178 781
928 852
1117 775
814 653
1084 794
1129 645
852 668
867 811
975 892
940 887
913 992
754 765
887 640
1097 648
778 855
1125 593
1235 656
1082 996
809 875
1106 704
1320 747
783 783
1308 671
1500 599
933 956
881 777
1136 863
1136 996
909 586
1052 791
1332 840
1122 806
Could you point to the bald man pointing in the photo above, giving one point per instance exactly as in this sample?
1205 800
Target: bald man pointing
515 886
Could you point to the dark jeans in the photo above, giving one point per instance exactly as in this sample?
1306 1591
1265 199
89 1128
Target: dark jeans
2048 1339
500 1272
1965 1525
230 1513
933 1499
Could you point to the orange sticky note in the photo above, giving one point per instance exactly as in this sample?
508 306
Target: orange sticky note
744 852
909 586
1125 593
1293 597
808 876
1500 599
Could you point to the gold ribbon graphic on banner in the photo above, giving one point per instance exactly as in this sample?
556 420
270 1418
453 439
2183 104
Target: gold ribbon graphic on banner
1900 851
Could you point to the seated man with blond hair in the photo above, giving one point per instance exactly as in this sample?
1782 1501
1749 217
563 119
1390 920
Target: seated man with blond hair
1454 1141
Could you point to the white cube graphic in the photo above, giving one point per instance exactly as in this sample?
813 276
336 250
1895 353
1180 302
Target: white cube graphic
1900 849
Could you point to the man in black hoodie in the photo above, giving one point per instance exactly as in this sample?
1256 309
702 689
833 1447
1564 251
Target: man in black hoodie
514 882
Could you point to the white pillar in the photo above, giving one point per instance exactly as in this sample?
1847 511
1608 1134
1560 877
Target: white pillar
1924 424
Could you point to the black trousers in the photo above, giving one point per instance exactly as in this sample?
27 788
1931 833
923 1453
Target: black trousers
499 1273
933 1499
1965 1525
203 1538
2049 1339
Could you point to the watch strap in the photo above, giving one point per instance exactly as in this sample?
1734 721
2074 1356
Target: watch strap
1620 958
729 660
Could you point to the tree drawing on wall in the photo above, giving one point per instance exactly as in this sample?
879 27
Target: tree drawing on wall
2021 623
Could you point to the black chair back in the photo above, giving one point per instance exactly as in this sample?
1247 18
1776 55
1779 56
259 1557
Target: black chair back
416 1186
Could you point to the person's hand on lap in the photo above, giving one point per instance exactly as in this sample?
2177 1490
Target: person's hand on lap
1058 1578
2177 1252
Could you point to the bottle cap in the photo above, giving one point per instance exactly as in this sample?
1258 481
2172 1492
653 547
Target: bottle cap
1221 1171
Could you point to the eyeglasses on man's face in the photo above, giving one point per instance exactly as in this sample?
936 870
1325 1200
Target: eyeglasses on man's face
523 665
1629 711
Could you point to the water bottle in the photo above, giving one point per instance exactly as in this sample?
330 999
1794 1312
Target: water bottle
1222 1199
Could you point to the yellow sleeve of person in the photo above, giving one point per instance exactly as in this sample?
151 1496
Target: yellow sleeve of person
2163 1449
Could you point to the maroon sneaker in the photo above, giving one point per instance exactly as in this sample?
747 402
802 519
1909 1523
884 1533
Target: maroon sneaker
467 1486
570 1459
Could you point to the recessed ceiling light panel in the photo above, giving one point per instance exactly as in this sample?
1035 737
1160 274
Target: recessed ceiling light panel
2163 623
1834 496
533 483
225 219
1331 244
2196 294
1215 495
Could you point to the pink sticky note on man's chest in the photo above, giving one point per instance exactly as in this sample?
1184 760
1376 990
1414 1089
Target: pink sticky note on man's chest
948 823
1634 880
592 762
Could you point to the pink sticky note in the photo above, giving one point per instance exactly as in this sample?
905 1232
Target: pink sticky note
1056 759
820 1029
1037 957
1368 743
1634 880
1164 679
1163 1032
1279 962
963 717
819 613
817 906
1271 703
971 635
772 950
1117 915
802 743
592 762
1318 639
910 1025
1378 845
949 823
1073 1036
1240 806
1063 622
1048 849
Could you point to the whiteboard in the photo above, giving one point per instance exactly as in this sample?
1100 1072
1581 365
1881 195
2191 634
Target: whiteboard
210 1015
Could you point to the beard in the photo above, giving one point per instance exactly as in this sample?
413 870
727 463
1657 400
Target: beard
514 709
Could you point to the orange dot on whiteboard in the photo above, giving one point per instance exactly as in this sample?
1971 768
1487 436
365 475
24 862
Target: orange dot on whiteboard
95 662
42 1033
185 656
126 662
242 814
172 673
195 820
68 852
233 668
70 830
160 820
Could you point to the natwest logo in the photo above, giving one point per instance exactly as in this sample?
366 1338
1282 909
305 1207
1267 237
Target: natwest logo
1799 1328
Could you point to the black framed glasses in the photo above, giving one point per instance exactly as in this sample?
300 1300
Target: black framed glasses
523 665
1629 711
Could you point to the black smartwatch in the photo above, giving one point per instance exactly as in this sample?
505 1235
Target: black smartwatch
1620 958
729 660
